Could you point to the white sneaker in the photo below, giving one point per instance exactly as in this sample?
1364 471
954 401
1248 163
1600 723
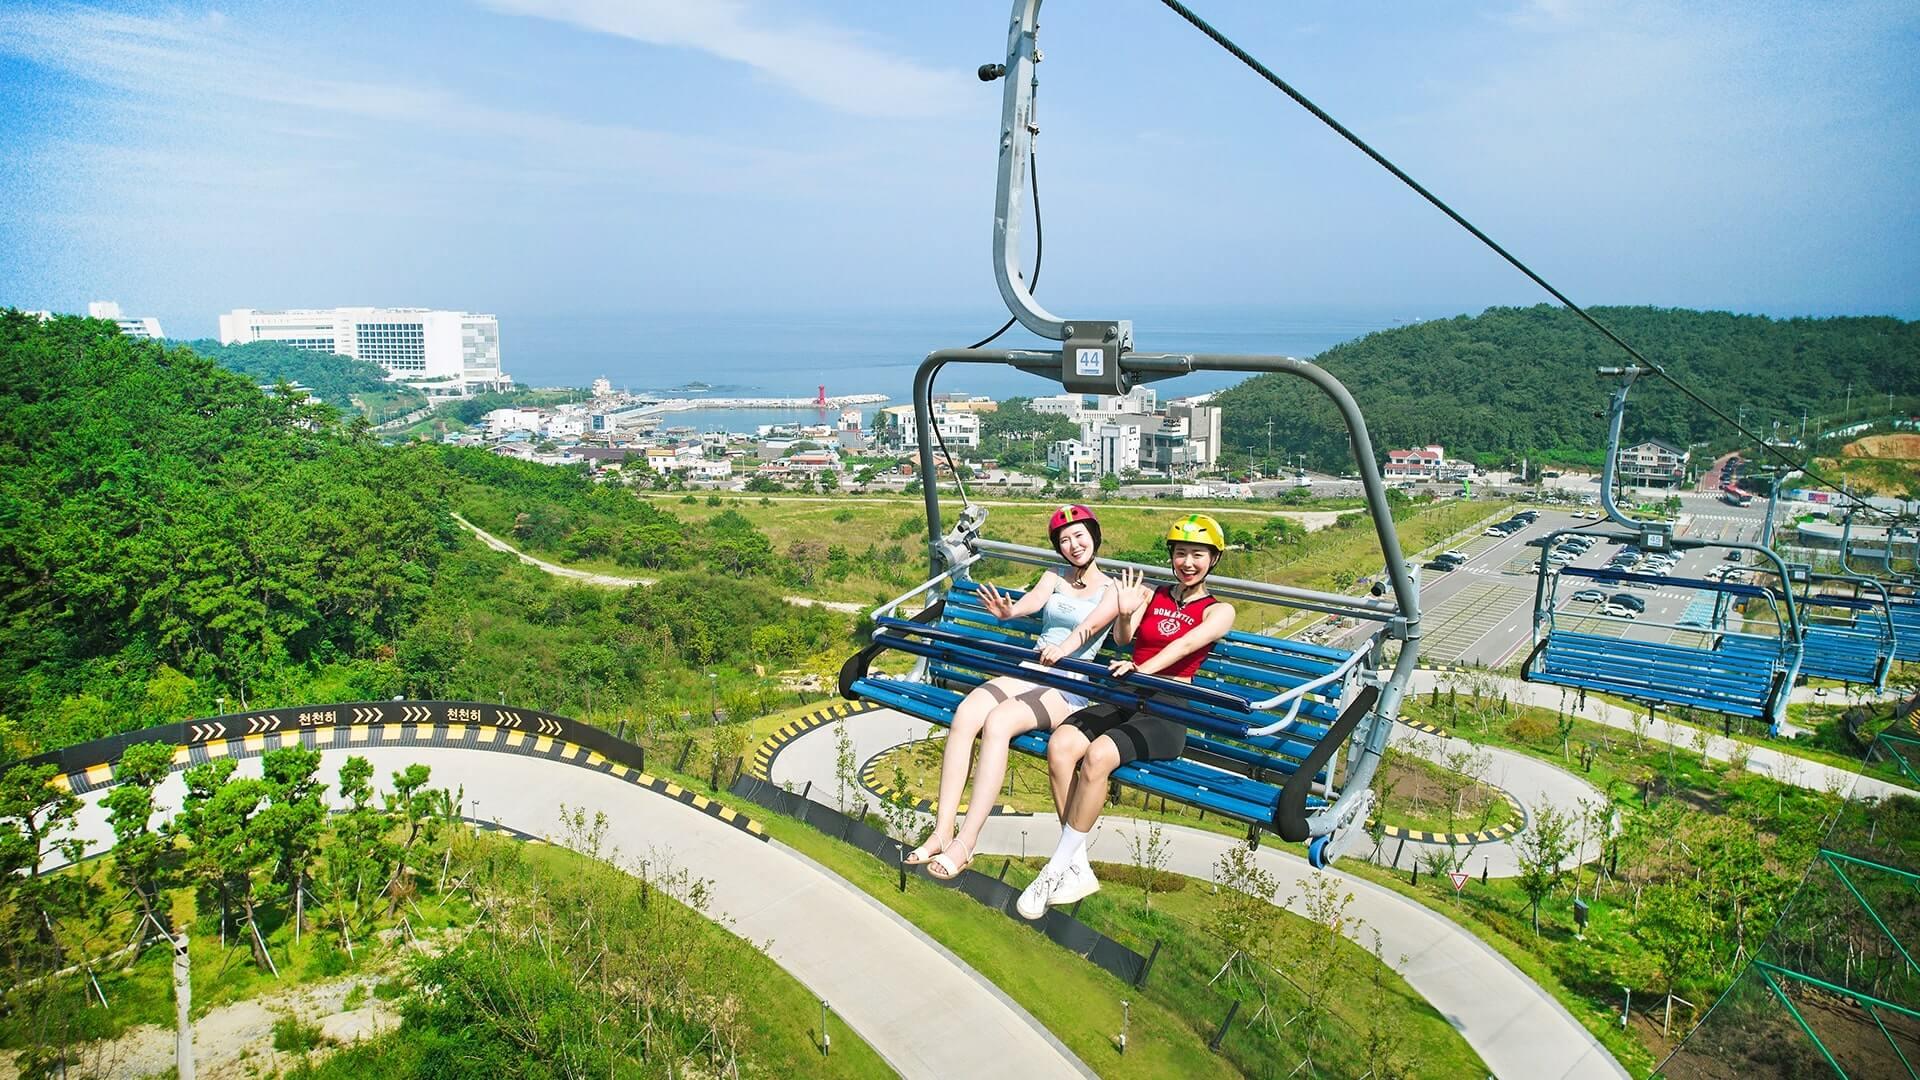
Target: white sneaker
1034 900
1076 883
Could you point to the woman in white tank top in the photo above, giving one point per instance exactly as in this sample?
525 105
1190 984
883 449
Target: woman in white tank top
1075 604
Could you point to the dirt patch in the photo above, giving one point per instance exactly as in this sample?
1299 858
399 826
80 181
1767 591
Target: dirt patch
1891 447
237 1040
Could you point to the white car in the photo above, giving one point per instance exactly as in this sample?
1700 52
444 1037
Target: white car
1618 611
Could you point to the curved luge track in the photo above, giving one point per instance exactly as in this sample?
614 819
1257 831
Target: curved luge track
898 989
1518 1029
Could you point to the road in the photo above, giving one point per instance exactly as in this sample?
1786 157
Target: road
1516 1027
904 993
1482 613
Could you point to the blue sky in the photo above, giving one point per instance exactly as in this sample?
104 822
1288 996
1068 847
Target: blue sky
608 156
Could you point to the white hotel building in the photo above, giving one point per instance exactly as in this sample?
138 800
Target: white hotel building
440 353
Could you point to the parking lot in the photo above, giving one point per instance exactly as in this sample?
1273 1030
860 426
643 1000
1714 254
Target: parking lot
1482 612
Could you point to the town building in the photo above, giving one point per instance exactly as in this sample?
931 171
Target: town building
1423 463
1075 461
146 328
1067 405
957 428
1202 429
1654 463
439 353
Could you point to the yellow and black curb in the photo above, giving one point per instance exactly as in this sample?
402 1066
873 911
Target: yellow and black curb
1484 836
769 748
1422 725
871 779
460 725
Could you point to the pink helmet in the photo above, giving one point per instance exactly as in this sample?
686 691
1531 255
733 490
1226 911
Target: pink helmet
1072 514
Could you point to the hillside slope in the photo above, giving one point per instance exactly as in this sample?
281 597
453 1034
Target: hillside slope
1513 381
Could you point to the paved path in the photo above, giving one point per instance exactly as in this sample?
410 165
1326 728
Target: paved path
1528 779
902 992
1784 767
613 581
810 758
1515 1026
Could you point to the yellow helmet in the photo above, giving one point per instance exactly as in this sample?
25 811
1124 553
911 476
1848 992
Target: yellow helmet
1198 529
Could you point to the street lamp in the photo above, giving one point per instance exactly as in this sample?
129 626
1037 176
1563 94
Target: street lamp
713 697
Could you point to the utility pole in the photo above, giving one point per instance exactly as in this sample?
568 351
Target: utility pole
182 1009
1848 415
1803 428
1270 427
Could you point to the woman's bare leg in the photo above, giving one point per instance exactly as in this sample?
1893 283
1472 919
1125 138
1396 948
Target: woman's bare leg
1065 747
1032 710
969 717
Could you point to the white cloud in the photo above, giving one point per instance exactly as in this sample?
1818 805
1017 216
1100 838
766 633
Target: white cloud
825 64
189 85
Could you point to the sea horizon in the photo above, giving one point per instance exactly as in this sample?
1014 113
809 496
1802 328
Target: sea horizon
792 355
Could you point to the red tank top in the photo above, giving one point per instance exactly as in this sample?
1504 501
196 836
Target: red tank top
1165 621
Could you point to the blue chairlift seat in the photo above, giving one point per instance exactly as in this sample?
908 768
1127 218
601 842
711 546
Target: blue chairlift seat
1853 645
1906 627
1735 673
1268 768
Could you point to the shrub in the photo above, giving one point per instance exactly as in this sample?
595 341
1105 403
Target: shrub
292 1036
1531 729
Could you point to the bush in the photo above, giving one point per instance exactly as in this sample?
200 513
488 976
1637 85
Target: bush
292 1036
1532 729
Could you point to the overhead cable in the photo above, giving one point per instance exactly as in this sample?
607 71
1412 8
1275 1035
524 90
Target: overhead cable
1322 115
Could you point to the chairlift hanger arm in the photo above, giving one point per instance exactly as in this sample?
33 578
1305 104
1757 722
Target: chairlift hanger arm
1017 129
1148 366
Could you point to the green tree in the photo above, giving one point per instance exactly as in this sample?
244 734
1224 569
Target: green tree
1540 848
138 850
38 819
294 818
417 810
1674 924
360 859
227 854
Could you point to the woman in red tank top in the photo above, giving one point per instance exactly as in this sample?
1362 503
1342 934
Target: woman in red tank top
1172 630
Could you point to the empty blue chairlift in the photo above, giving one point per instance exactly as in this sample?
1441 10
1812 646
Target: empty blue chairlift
1714 668
1903 598
1849 635
1704 662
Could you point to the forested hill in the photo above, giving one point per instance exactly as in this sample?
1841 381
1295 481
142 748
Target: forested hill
173 541
337 380
1513 381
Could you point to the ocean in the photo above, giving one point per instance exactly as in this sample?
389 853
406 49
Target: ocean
792 355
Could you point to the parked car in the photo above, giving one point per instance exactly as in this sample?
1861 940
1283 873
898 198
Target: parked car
1618 612
1628 600
1591 596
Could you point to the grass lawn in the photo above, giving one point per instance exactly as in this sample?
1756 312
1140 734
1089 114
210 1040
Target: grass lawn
781 1016
1828 743
1171 1019
893 532
1417 797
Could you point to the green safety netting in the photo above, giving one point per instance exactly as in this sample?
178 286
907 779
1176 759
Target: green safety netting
1834 991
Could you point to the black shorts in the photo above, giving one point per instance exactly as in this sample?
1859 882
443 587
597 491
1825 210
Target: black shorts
1138 736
